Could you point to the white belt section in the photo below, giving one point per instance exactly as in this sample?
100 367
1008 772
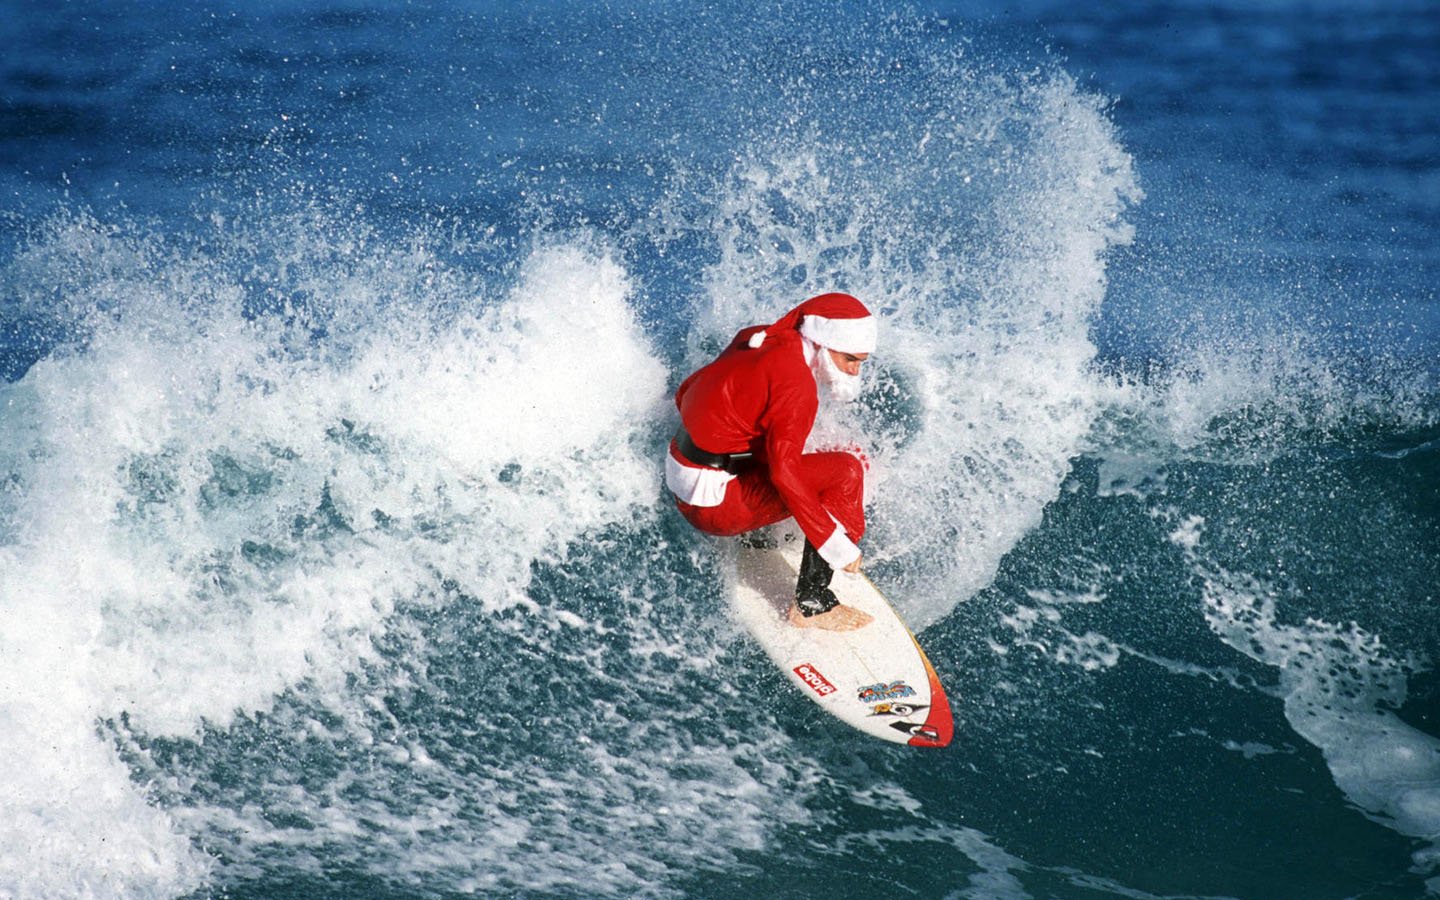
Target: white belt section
696 485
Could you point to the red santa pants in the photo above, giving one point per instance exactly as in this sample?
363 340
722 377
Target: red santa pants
752 501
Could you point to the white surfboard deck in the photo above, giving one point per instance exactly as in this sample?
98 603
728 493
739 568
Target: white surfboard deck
875 678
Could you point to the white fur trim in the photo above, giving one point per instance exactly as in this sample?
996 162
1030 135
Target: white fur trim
844 335
756 340
838 550
695 485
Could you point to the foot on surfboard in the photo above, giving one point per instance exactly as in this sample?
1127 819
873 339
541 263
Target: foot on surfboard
837 618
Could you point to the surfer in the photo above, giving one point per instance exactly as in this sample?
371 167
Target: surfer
737 462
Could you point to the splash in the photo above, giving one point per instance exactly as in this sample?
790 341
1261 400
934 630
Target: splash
1260 396
975 222
205 513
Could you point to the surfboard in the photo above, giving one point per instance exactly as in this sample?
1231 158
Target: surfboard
875 678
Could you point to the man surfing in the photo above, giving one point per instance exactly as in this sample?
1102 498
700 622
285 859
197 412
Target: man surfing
737 462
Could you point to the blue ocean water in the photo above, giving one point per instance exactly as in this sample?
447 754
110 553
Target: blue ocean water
337 340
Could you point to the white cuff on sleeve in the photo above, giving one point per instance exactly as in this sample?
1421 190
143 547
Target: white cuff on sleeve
838 550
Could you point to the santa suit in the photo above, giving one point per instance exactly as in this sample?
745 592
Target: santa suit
760 397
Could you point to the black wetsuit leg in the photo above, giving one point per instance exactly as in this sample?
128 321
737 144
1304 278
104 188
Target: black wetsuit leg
812 591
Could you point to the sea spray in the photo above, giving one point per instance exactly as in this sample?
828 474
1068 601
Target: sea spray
204 519
977 228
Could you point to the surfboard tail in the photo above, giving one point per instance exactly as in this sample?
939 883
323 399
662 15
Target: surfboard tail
939 726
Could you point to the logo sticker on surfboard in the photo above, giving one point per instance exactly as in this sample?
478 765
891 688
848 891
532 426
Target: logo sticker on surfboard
817 682
927 732
894 690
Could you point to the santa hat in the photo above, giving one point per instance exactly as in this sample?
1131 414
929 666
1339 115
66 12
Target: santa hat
837 321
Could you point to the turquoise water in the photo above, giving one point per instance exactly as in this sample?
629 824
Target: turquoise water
337 345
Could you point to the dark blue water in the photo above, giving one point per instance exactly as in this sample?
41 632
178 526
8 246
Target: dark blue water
337 342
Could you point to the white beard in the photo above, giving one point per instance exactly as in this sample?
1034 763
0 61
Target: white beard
843 387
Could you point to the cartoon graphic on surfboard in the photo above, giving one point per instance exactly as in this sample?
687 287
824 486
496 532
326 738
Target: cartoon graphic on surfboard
876 678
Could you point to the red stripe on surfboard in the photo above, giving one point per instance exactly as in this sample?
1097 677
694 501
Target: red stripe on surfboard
938 720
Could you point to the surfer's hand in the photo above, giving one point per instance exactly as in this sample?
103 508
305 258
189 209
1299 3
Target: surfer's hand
841 618
854 567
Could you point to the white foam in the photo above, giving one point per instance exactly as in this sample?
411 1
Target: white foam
1250 395
527 803
1339 685
999 875
1249 749
205 519
997 869
1040 628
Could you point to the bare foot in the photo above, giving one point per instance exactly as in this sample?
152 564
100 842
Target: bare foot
841 618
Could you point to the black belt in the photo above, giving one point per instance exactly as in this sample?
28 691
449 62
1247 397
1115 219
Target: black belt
734 463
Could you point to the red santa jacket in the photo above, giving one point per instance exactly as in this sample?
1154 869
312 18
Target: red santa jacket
762 401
